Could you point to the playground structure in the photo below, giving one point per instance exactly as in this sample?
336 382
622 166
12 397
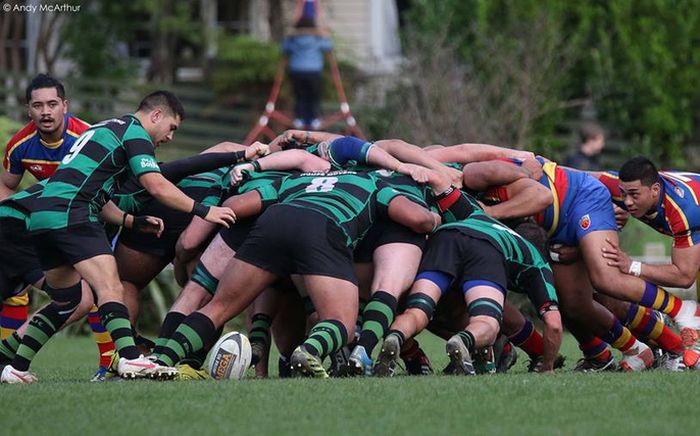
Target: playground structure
263 130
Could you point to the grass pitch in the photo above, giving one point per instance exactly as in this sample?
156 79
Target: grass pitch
64 402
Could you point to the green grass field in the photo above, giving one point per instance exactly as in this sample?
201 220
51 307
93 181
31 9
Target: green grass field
63 402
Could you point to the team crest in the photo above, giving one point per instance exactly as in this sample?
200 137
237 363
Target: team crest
679 191
585 222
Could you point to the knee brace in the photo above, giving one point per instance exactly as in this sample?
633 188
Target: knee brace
422 302
486 307
64 300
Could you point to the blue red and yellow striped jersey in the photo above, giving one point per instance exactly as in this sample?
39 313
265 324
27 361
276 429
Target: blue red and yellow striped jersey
560 181
26 151
677 213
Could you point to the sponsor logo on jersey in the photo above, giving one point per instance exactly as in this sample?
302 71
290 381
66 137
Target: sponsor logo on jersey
36 169
585 222
148 163
679 191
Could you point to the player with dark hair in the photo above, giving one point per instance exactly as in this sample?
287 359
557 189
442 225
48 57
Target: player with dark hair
72 244
667 201
38 148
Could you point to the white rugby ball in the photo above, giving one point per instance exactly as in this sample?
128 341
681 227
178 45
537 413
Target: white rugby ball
230 357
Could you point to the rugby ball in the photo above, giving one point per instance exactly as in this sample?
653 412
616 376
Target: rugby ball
230 357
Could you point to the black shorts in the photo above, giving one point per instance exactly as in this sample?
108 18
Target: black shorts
164 247
289 240
19 264
235 235
464 258
71 245
385 232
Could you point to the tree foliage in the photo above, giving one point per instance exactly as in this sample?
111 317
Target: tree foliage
524 64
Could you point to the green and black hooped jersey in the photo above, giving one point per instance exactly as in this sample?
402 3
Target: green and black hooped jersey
522 258
86 176
252 181
18 206
419 194
350 199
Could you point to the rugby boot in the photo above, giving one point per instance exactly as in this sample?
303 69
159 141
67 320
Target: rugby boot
143 367
388 356
11 375
306 364
596 365
670 362
359 362
186 372
691 342
460 356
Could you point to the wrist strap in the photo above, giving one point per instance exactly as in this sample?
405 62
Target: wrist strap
200 210
635 268
256 166
124 219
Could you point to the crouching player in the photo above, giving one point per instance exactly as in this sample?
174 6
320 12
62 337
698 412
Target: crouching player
483 258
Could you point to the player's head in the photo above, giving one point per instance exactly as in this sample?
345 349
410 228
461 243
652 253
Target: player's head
46 104
640 185
160 113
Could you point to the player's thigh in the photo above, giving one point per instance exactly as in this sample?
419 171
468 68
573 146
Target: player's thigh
137 267
395 267
238 287
333 298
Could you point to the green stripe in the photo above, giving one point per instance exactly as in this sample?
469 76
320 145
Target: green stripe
331 326
192 336
382 308
485 303
176 347
375 327
123 342
118 323
316 345
328 336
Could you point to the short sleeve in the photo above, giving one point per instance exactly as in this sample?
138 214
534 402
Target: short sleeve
269 193
140 155
12 162
385 195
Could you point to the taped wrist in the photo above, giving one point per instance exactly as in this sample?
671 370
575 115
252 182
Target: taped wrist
200 210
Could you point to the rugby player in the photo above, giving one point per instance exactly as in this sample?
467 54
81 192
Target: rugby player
483 258
70 242
38 148
579 213
667 201
326 213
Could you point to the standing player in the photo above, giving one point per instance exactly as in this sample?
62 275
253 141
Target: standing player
669 203
72 244
38 148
